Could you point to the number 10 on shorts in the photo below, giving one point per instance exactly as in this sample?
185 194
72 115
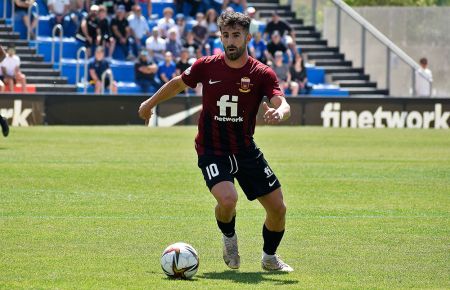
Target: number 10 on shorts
212 170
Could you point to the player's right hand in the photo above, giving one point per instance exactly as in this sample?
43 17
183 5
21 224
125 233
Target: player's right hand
145 111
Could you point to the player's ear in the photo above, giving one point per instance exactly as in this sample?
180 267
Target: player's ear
248 37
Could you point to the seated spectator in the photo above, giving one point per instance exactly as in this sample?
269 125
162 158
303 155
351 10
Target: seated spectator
156 46
128 4
77 12
97 67
89 30
105 38
211 24
275 45
254 24
281 69
58 10
109 4
21 12
122 33
166 23
145 73
180 24
284 29
11 73
139 26
299 79
194 49
173 44
237 5
179 4
183 64
167 68
201 32
258 48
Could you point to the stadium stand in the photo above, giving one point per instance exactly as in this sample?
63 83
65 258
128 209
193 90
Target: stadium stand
45 77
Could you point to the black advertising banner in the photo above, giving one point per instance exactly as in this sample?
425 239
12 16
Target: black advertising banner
22 110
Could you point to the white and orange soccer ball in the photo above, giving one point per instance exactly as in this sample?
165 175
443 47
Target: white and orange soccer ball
180 261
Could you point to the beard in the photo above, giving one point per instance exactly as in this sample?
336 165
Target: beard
236 53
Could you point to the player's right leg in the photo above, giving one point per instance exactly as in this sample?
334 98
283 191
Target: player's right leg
226 195
4 125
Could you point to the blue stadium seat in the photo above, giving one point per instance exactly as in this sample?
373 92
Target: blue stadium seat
122 88
44 47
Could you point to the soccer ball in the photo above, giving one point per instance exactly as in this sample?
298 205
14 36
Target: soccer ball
180 261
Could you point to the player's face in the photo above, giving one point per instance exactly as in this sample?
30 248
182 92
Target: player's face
234 40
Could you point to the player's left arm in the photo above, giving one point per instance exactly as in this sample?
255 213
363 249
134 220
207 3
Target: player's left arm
281 111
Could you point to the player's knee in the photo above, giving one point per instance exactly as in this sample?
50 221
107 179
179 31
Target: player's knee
279 212
228 202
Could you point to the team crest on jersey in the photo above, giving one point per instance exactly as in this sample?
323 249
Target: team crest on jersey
245 85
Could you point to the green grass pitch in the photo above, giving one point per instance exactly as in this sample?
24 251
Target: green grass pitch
94 207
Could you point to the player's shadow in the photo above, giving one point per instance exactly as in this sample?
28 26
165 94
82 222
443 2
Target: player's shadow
249 277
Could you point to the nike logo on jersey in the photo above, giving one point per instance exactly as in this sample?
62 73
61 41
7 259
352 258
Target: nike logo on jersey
213 82
272 183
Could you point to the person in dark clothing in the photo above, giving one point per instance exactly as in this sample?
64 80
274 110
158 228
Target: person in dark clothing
89 30
275 45
145 73
21 12
299 79
122 33
3 123
96 69
105 37
284 29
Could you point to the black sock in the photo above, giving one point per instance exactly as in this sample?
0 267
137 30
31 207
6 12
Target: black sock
227 228
271 240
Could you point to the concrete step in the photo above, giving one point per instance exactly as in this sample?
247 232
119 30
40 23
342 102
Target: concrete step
342 69
55 88
317 48
14 42
349 76
5 36
325 55
40 72
367 91
46 80
36 65
333 62
283 14
356 84
31 57
310 41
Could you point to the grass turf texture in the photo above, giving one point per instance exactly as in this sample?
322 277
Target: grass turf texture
94 207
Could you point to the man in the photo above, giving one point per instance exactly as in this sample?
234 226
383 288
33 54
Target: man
167 68
275 45
233 87
89 30
58 10
145 72
3 123
166 23
122 33
96 68
156 46
173 45
258 48
11 70
285 30
104 36
423 87
21 12
139 26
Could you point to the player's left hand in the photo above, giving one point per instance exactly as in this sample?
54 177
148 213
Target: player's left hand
271 115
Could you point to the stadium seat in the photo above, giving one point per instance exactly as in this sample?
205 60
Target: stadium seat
44 47
122 88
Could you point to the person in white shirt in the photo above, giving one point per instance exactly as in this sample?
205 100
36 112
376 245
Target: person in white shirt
59 9
166 23
11 70
156 46
138 25
423 87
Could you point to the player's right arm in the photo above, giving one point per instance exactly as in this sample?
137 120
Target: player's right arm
166 92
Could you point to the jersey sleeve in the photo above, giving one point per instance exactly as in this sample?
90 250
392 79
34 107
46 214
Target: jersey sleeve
271 87
192 75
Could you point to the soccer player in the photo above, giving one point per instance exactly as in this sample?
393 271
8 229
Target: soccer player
3 123
233 87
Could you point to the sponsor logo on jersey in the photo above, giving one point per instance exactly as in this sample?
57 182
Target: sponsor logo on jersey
228 104
245 85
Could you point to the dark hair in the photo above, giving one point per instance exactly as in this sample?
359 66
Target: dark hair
233 19
423 61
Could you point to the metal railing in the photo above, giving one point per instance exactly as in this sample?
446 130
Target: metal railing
4 8
29 17
391 48
77 74
61 43
111 81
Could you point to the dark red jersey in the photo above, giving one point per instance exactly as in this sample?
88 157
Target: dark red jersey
231 98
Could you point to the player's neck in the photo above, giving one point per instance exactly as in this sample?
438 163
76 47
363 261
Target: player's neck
238 63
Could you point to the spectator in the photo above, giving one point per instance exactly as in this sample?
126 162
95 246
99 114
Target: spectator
166 23
299 79
275 45
193 48
89 30
281 69
237 5
284 29
211 25
122 33
77 12
201 32
110 7
167 68
179 4
139 26
105 38
96 68
180 24
10 67
21 12
58 10
423 87
172 43
145 73
156 46
254 24
258 48
128 4
183 64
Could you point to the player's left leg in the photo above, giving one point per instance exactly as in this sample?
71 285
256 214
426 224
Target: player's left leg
4 125
273 230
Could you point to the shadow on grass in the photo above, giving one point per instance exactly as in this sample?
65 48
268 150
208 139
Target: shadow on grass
249 277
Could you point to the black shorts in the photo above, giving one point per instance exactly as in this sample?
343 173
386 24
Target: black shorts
251 170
